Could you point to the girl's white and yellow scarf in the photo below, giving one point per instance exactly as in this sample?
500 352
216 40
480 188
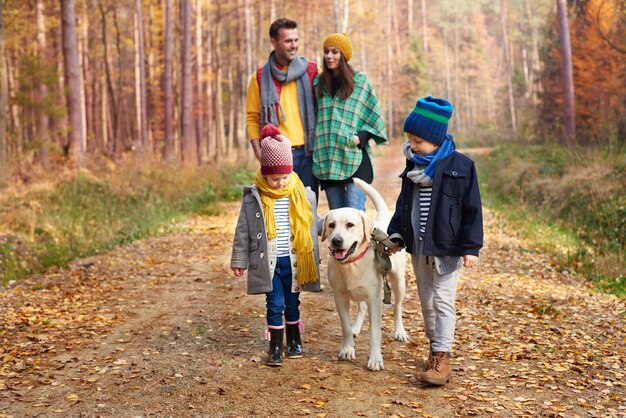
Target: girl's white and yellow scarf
300 220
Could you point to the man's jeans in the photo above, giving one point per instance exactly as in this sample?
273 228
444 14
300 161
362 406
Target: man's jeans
303 166
281 298
347 195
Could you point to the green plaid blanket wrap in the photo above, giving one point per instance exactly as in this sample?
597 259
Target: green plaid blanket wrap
335 157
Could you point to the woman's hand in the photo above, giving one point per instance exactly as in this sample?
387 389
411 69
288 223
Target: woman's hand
238 272
356 140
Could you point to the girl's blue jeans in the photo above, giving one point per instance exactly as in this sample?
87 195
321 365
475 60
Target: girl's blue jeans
281 299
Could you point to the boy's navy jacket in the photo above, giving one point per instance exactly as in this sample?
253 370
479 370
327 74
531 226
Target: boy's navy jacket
455 222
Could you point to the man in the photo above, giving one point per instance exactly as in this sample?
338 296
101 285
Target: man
281 93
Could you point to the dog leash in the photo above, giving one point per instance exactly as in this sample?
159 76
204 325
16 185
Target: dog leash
382 244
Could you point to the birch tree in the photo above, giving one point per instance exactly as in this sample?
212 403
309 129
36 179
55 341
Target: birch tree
507 62
140 81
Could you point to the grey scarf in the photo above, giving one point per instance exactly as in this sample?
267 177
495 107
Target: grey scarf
269 96
417 175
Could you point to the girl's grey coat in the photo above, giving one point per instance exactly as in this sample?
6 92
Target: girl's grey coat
253 252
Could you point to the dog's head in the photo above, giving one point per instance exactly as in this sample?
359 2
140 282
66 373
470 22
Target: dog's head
348 231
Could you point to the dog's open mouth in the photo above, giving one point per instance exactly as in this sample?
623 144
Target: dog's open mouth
342 254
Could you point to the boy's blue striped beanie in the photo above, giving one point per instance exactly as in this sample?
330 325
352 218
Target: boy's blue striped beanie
429 119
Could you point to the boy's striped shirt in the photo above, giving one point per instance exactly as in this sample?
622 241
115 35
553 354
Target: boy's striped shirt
425 198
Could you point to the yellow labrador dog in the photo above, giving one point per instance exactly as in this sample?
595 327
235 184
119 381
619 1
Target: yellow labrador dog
354 277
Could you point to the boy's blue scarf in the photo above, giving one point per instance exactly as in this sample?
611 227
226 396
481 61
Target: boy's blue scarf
446 148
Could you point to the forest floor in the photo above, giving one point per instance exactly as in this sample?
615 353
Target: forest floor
161 327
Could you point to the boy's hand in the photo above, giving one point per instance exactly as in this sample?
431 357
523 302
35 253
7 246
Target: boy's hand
392 251
238 272
470 261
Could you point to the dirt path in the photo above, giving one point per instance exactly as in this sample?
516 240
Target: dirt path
162 328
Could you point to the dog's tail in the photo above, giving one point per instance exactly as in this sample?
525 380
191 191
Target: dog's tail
382 212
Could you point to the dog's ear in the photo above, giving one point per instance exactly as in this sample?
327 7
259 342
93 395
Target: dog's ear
324 229
368 226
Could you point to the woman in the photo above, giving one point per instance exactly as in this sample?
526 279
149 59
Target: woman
348 116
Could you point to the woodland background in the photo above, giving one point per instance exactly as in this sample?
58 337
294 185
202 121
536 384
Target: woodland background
123 121
104 100
170 76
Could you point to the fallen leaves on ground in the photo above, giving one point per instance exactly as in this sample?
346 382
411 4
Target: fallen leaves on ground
163 328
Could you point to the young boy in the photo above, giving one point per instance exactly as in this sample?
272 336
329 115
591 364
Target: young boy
276 241
439 215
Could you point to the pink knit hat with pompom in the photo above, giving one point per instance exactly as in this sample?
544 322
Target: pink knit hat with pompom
275 152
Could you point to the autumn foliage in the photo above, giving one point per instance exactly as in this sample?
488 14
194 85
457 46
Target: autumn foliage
598 34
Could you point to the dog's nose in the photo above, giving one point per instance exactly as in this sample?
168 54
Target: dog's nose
337 242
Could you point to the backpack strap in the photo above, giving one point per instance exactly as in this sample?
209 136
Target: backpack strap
311 70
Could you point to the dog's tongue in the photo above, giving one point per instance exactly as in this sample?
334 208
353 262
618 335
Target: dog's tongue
340 254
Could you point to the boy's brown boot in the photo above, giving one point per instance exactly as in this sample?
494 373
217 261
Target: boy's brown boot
439 370
431 358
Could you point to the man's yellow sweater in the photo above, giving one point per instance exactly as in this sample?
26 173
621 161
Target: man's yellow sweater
291 126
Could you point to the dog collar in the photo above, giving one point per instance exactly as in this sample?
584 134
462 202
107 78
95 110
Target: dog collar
358 257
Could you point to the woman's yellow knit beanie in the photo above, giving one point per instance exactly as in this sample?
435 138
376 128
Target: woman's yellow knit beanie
341 42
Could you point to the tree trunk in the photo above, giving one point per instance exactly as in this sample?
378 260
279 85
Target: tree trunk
110 123
106 123
336 13
188 141
389 74
82 67
168 149
248 40
569 117
409 17
346 16
140 90
534 61
446 56
3 103
43 124
457 88
123 133
72 80
200 85
230 138
13 109
89 75
211 146
424 26
507 62
218 105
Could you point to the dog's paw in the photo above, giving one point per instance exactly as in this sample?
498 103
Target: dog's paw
401 335
355 332
347 353
375 363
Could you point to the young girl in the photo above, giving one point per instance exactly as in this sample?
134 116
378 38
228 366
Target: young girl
276 241
439 215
